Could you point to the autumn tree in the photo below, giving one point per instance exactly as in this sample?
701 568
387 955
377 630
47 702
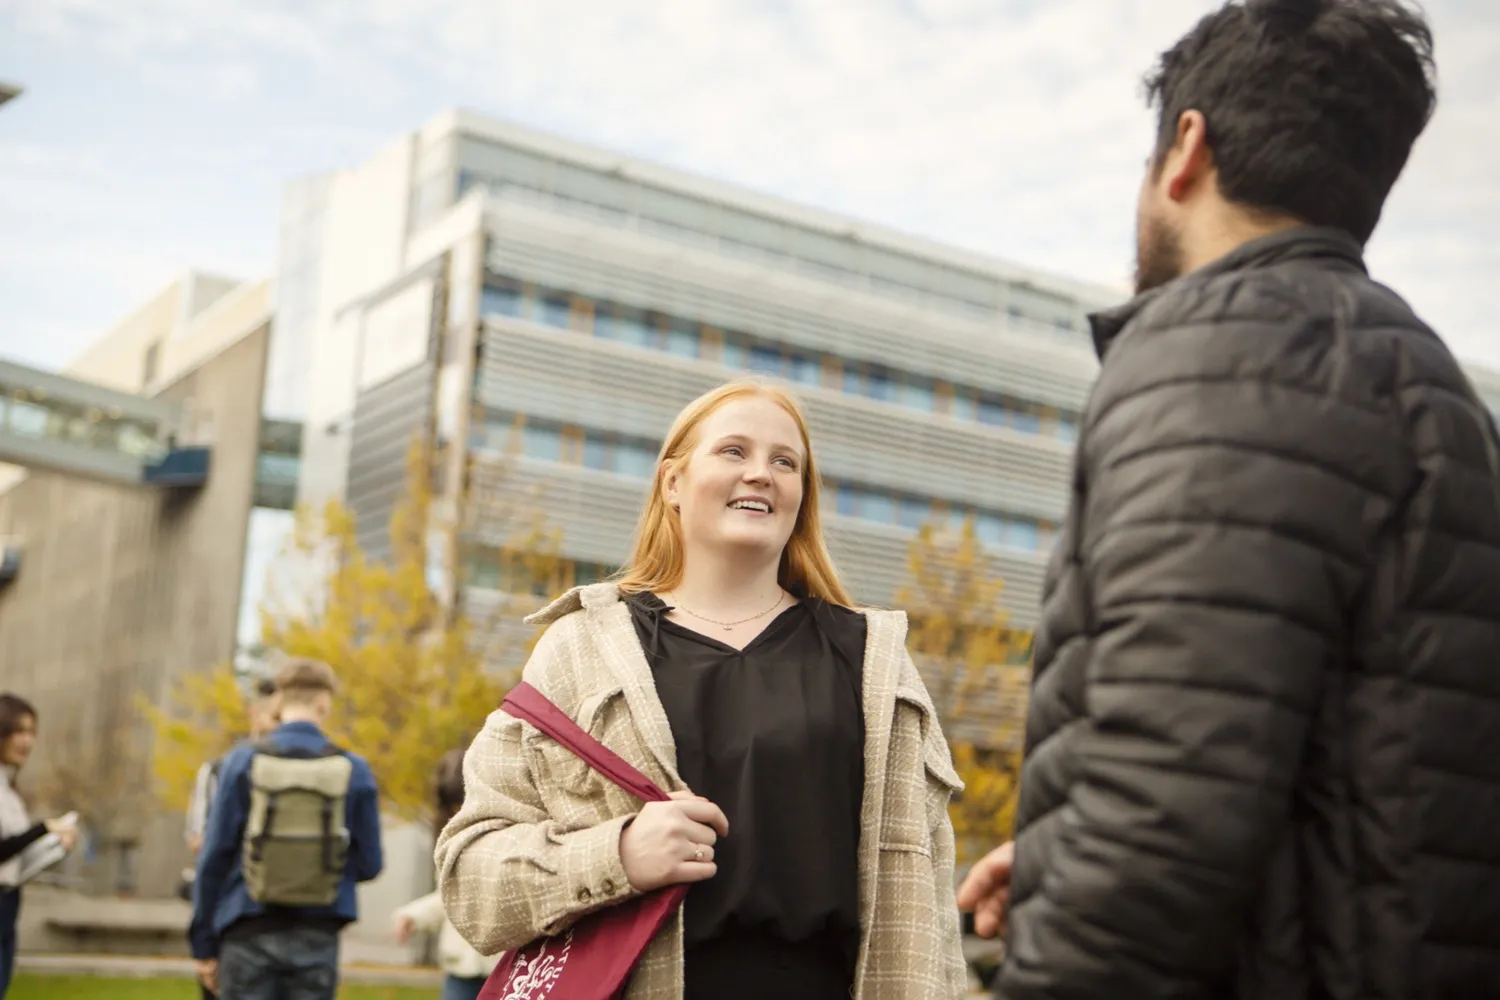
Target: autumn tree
412 672
970 658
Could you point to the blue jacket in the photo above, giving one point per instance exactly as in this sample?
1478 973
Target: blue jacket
219 895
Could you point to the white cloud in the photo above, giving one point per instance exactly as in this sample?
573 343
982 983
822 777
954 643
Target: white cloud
1014 128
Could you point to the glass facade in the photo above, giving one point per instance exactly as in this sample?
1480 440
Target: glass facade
278 464
46 417
685 337
487 567
523 175
607 451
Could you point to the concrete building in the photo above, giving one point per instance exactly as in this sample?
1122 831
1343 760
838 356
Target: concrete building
122 588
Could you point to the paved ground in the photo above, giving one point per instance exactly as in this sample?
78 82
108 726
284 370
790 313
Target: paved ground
131 966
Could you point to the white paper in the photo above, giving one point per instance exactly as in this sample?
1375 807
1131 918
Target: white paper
43 854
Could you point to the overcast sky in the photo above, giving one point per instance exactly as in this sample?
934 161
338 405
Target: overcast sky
155 135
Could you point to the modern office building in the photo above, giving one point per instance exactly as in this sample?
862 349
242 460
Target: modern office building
474 275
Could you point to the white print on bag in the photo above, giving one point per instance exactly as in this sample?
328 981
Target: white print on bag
534 978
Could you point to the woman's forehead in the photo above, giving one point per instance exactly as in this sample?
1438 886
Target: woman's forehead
754 418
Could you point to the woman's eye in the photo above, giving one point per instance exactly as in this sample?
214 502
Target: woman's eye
733 450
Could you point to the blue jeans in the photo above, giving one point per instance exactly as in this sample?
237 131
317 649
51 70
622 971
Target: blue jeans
10 910
455 988
294 963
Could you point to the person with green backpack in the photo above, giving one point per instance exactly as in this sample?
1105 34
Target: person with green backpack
295 825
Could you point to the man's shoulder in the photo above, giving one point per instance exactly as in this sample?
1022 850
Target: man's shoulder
235 758
361 773
1331 330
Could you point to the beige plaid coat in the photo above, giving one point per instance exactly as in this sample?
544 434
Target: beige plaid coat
536 845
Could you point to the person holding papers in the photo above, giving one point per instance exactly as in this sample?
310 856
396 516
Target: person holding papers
17 833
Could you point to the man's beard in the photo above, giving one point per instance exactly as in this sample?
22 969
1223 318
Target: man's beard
1158 255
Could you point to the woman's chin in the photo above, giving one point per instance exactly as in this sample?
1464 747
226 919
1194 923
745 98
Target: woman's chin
749 538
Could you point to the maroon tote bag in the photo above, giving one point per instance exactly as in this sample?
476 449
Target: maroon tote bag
593 959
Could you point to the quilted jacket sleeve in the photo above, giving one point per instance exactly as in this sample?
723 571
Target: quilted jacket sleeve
1225 510
508 871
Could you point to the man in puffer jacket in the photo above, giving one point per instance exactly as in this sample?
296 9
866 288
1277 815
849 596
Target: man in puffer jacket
1263 746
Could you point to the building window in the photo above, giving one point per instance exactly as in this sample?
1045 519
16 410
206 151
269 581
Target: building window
765 359
880 507
624 324
991 412
878 384
1024 418
685 338
1022 534
847 501
596 454
682 339
732 351
501 300
989 529
636 460
803 369
918 394
555 310
541 442
912 512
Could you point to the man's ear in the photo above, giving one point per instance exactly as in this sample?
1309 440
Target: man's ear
1189 160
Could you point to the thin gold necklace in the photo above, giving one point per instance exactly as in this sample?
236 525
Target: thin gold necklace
728 626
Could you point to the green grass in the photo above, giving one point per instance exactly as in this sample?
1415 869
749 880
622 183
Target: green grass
34 987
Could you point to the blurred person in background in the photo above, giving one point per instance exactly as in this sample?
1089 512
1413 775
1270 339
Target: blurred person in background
18 728
264 712
465 970
294 828
1263 753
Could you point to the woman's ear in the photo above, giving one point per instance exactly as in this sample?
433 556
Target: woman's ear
670 487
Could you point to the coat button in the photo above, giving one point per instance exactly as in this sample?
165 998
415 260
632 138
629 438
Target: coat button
584 895
608 887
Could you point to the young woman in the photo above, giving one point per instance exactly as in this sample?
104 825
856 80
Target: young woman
810 777
17 832
464 968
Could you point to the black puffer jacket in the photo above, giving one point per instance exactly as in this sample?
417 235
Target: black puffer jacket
1263 752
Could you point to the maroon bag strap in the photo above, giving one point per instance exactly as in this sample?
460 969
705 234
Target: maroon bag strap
530 705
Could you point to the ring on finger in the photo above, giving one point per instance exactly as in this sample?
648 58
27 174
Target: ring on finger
697 854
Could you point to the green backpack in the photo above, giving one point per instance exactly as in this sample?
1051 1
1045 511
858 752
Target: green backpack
296 842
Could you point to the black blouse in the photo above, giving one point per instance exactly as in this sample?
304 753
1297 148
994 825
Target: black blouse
774 735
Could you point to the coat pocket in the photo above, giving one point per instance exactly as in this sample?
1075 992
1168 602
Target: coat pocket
558 770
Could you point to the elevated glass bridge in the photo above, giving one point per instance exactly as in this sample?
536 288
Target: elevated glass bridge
59 424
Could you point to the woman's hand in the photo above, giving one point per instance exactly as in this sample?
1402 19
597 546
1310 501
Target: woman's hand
672 842
65 829
404 927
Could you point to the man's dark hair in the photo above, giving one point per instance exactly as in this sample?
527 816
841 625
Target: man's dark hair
448 783
1312 106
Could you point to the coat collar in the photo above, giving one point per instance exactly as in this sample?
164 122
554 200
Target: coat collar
1300 243
885 678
